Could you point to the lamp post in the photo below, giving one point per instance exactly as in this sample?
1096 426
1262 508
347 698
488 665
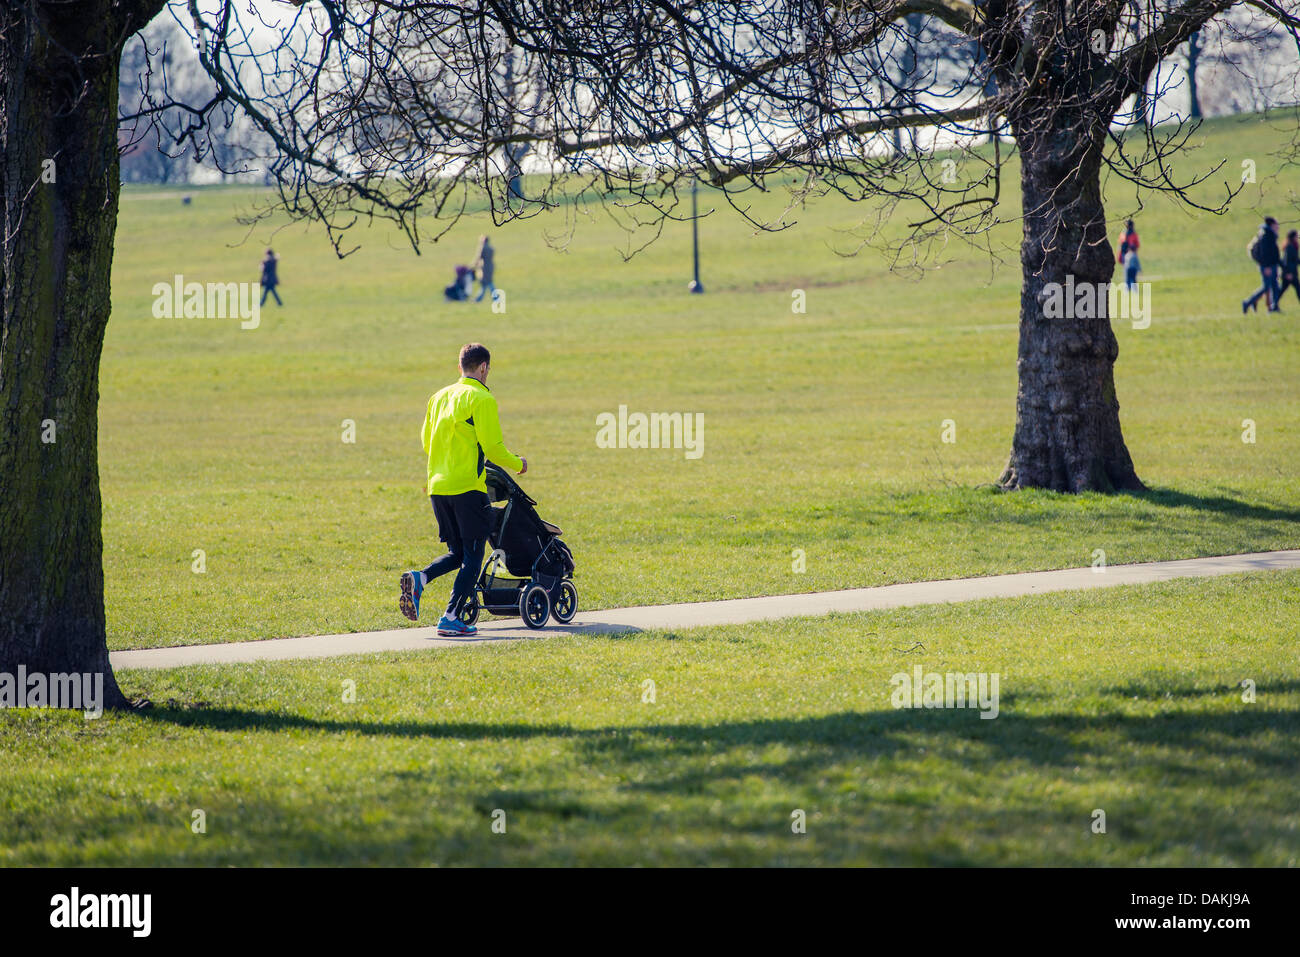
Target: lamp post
695 285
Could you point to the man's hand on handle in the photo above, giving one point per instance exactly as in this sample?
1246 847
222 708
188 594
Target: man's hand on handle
525 468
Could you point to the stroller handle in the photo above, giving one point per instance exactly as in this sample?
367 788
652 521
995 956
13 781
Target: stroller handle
498 476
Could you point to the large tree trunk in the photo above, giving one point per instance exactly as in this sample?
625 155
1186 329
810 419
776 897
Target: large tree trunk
1067 434
58 120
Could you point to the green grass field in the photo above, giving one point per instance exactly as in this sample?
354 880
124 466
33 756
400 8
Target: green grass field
822 433
1125 700
822 430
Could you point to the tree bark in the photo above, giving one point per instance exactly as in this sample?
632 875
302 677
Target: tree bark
1067 435
59 180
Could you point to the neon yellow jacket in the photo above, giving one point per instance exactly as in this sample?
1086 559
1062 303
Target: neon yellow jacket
461 429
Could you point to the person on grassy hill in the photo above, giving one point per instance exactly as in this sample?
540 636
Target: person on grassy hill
486 266
1128 242
1290 266
1263 249
461 431
270 278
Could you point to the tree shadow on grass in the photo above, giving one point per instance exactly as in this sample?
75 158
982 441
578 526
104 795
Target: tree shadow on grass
965 504
931 762
1048 740
1155 690
1236 508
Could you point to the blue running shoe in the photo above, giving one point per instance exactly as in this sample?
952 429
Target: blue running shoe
409 603
454 628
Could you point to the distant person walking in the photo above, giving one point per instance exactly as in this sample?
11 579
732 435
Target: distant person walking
270 278
1263 249
486 268
1128 242
1290 266
1131 269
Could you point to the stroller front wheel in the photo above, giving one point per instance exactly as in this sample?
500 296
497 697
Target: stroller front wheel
469 610
565 605
535 606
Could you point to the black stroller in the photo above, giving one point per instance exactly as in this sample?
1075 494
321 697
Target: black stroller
530 571
458 291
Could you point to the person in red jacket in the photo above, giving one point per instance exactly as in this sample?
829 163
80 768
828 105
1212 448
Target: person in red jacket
1128 241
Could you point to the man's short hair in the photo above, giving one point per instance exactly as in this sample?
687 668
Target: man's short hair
1270 221
473 355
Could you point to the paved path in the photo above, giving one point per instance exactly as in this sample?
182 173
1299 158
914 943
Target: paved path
737 611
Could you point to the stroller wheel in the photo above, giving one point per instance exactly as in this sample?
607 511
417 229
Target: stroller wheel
565 605
534 606
469 611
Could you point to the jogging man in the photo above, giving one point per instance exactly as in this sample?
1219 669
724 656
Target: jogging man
461 431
